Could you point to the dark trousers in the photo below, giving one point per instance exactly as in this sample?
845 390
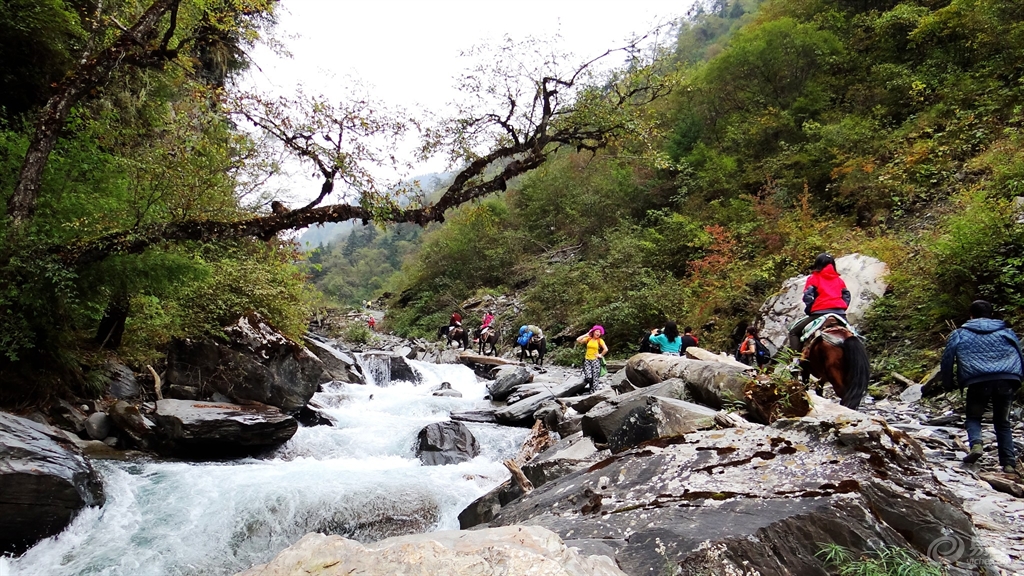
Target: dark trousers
1000 393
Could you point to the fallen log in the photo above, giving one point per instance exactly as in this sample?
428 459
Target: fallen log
698 353
471 358
714 384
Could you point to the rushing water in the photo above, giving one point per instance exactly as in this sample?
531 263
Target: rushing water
358 478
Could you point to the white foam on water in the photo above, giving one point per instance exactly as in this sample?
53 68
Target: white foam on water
358 478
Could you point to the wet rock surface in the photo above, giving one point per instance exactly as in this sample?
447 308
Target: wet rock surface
258 364
755 498
998 516
446 443
205 429
509 551
44 482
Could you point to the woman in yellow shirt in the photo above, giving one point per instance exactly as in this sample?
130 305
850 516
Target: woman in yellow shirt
596 349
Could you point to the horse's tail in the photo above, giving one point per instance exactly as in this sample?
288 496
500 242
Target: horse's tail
856 371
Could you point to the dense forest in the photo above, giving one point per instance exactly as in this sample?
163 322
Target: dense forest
685 185
797 126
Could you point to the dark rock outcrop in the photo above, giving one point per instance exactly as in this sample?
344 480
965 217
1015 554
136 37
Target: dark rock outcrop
339 365
121 381
130 420
203 429
660 418
758 499
446 443
44 482
258 364
601 421
507 379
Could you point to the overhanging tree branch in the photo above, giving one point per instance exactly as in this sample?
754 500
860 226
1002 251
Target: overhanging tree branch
95 69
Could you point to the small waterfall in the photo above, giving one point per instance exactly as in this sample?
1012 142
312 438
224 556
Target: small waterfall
376 368
358 478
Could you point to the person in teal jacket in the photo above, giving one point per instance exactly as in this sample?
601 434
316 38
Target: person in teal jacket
669 340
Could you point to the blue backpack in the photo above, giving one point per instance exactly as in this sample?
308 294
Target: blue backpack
524 336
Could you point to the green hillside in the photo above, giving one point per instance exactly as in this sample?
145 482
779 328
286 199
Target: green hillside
799 126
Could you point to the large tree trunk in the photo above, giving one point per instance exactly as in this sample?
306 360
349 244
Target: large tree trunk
111 328
713 384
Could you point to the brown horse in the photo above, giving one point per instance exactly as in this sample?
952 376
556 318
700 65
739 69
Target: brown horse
837 356
489 338
460 335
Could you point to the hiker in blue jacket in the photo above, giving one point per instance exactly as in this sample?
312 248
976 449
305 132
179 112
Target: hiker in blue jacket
989 363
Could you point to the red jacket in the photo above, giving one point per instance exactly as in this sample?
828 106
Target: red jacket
825 290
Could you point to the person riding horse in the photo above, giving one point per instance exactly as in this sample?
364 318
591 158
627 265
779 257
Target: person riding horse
485 326
825 292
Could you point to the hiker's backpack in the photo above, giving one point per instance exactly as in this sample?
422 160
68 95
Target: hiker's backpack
761 352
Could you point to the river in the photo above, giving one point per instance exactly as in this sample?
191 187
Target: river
358 478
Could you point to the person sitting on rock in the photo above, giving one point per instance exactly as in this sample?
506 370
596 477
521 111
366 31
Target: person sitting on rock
988 360
825 292
668 339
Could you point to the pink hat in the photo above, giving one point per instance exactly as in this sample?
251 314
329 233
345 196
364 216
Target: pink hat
598 327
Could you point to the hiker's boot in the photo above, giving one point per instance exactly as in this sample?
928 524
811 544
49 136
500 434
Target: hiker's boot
1010 470
977 451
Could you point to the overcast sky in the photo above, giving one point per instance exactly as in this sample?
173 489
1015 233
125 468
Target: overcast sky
406 52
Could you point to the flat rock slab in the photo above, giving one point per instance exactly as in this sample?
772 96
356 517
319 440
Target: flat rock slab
512 551
207 429
744 499
44 482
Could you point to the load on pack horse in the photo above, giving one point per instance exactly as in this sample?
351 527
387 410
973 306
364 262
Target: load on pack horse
532 338
833 352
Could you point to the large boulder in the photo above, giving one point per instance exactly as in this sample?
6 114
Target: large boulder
660 418
483 509
521 412
44 482
507 379
257 364
140 430
759 500
511 551
572 453
121 381
603 420
446 443
864 277
340 366
204 429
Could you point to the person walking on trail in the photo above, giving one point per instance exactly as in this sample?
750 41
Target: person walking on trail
596 350
988 360
668 340
372 323
688 340
825 292
747 352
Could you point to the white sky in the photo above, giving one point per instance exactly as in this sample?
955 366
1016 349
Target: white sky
406 52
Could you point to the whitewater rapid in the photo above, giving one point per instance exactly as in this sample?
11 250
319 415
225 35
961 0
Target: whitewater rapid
358 478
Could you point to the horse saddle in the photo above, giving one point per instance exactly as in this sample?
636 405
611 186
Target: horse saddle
818 327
